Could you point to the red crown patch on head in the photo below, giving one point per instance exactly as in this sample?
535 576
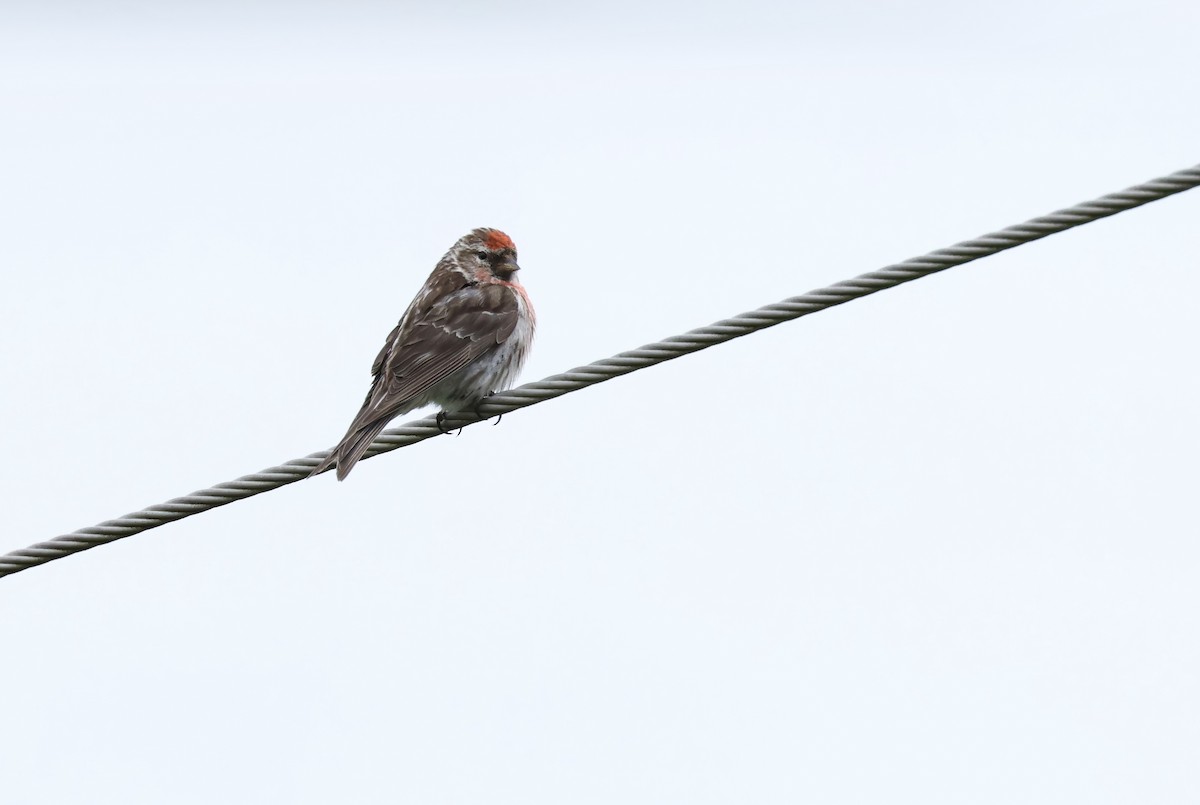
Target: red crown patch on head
498 240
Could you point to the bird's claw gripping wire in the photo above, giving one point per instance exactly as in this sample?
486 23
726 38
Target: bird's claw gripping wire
479 405
441 424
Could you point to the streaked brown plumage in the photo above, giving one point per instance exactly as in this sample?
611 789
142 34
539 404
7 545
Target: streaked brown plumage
465 335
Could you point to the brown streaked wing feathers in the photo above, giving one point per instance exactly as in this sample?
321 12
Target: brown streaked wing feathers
449 334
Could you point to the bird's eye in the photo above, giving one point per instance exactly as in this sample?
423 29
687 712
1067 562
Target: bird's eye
482 255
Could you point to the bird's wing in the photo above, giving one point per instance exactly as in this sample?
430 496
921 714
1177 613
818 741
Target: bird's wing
438 341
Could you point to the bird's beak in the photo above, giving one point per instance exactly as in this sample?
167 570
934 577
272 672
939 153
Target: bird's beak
510 265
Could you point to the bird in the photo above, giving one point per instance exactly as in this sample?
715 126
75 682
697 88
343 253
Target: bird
465 335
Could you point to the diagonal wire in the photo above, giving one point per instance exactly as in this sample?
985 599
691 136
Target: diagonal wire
608 368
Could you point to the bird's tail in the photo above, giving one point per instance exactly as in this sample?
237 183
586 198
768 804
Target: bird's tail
349 450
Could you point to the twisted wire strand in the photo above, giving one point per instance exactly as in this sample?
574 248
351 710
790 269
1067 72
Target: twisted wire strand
608 368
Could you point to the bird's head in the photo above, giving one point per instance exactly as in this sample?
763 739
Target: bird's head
488 253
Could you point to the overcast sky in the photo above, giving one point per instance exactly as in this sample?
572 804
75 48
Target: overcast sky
935 546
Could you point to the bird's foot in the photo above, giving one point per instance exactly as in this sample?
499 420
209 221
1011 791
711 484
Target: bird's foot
479 405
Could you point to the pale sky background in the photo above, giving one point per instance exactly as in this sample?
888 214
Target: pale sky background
936 546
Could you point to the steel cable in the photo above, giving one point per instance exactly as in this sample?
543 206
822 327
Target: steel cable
608 368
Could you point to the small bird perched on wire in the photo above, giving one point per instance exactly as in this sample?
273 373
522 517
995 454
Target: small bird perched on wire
465 336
